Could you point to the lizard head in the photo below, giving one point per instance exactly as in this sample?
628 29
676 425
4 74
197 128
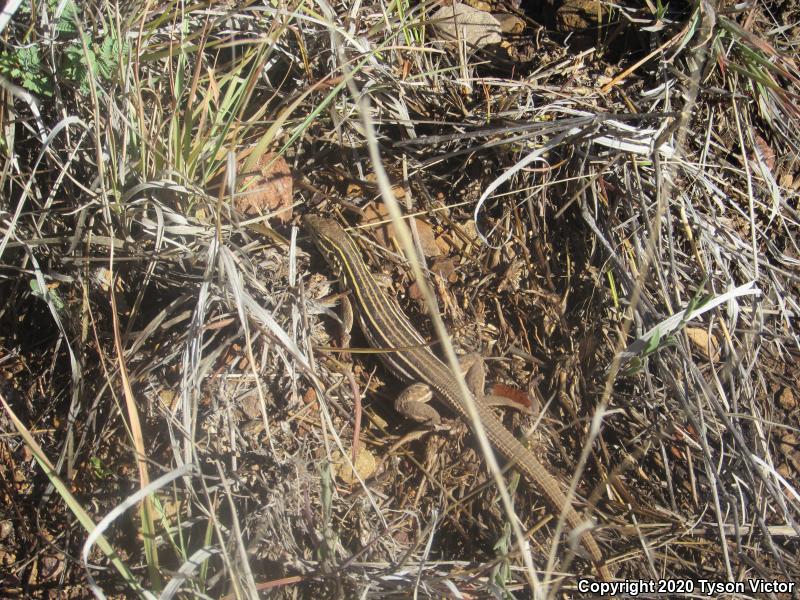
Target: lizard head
329 237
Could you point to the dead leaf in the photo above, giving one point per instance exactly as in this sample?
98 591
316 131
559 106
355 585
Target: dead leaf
519 399
250 406
169 398
385 233
767 153
469 231
445 268
268 191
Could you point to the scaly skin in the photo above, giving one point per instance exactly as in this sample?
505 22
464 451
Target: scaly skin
385 325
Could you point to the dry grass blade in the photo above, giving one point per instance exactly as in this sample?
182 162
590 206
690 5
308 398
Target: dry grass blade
148 529
74 504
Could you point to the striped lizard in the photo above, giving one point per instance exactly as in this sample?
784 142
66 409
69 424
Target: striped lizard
386 326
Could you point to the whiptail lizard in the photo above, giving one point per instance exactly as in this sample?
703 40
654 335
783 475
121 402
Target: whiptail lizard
386 326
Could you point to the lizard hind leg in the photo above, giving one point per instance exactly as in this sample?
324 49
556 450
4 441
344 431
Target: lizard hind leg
474 370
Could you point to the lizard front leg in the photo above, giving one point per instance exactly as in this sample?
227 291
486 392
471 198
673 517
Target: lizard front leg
413 401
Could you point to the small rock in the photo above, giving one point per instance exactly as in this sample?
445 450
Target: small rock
788 444
481 5
786 400
465 23
365 465
5 529
579 15
707 345
509 23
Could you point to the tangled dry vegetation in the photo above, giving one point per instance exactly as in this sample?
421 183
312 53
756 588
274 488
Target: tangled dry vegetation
605 205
